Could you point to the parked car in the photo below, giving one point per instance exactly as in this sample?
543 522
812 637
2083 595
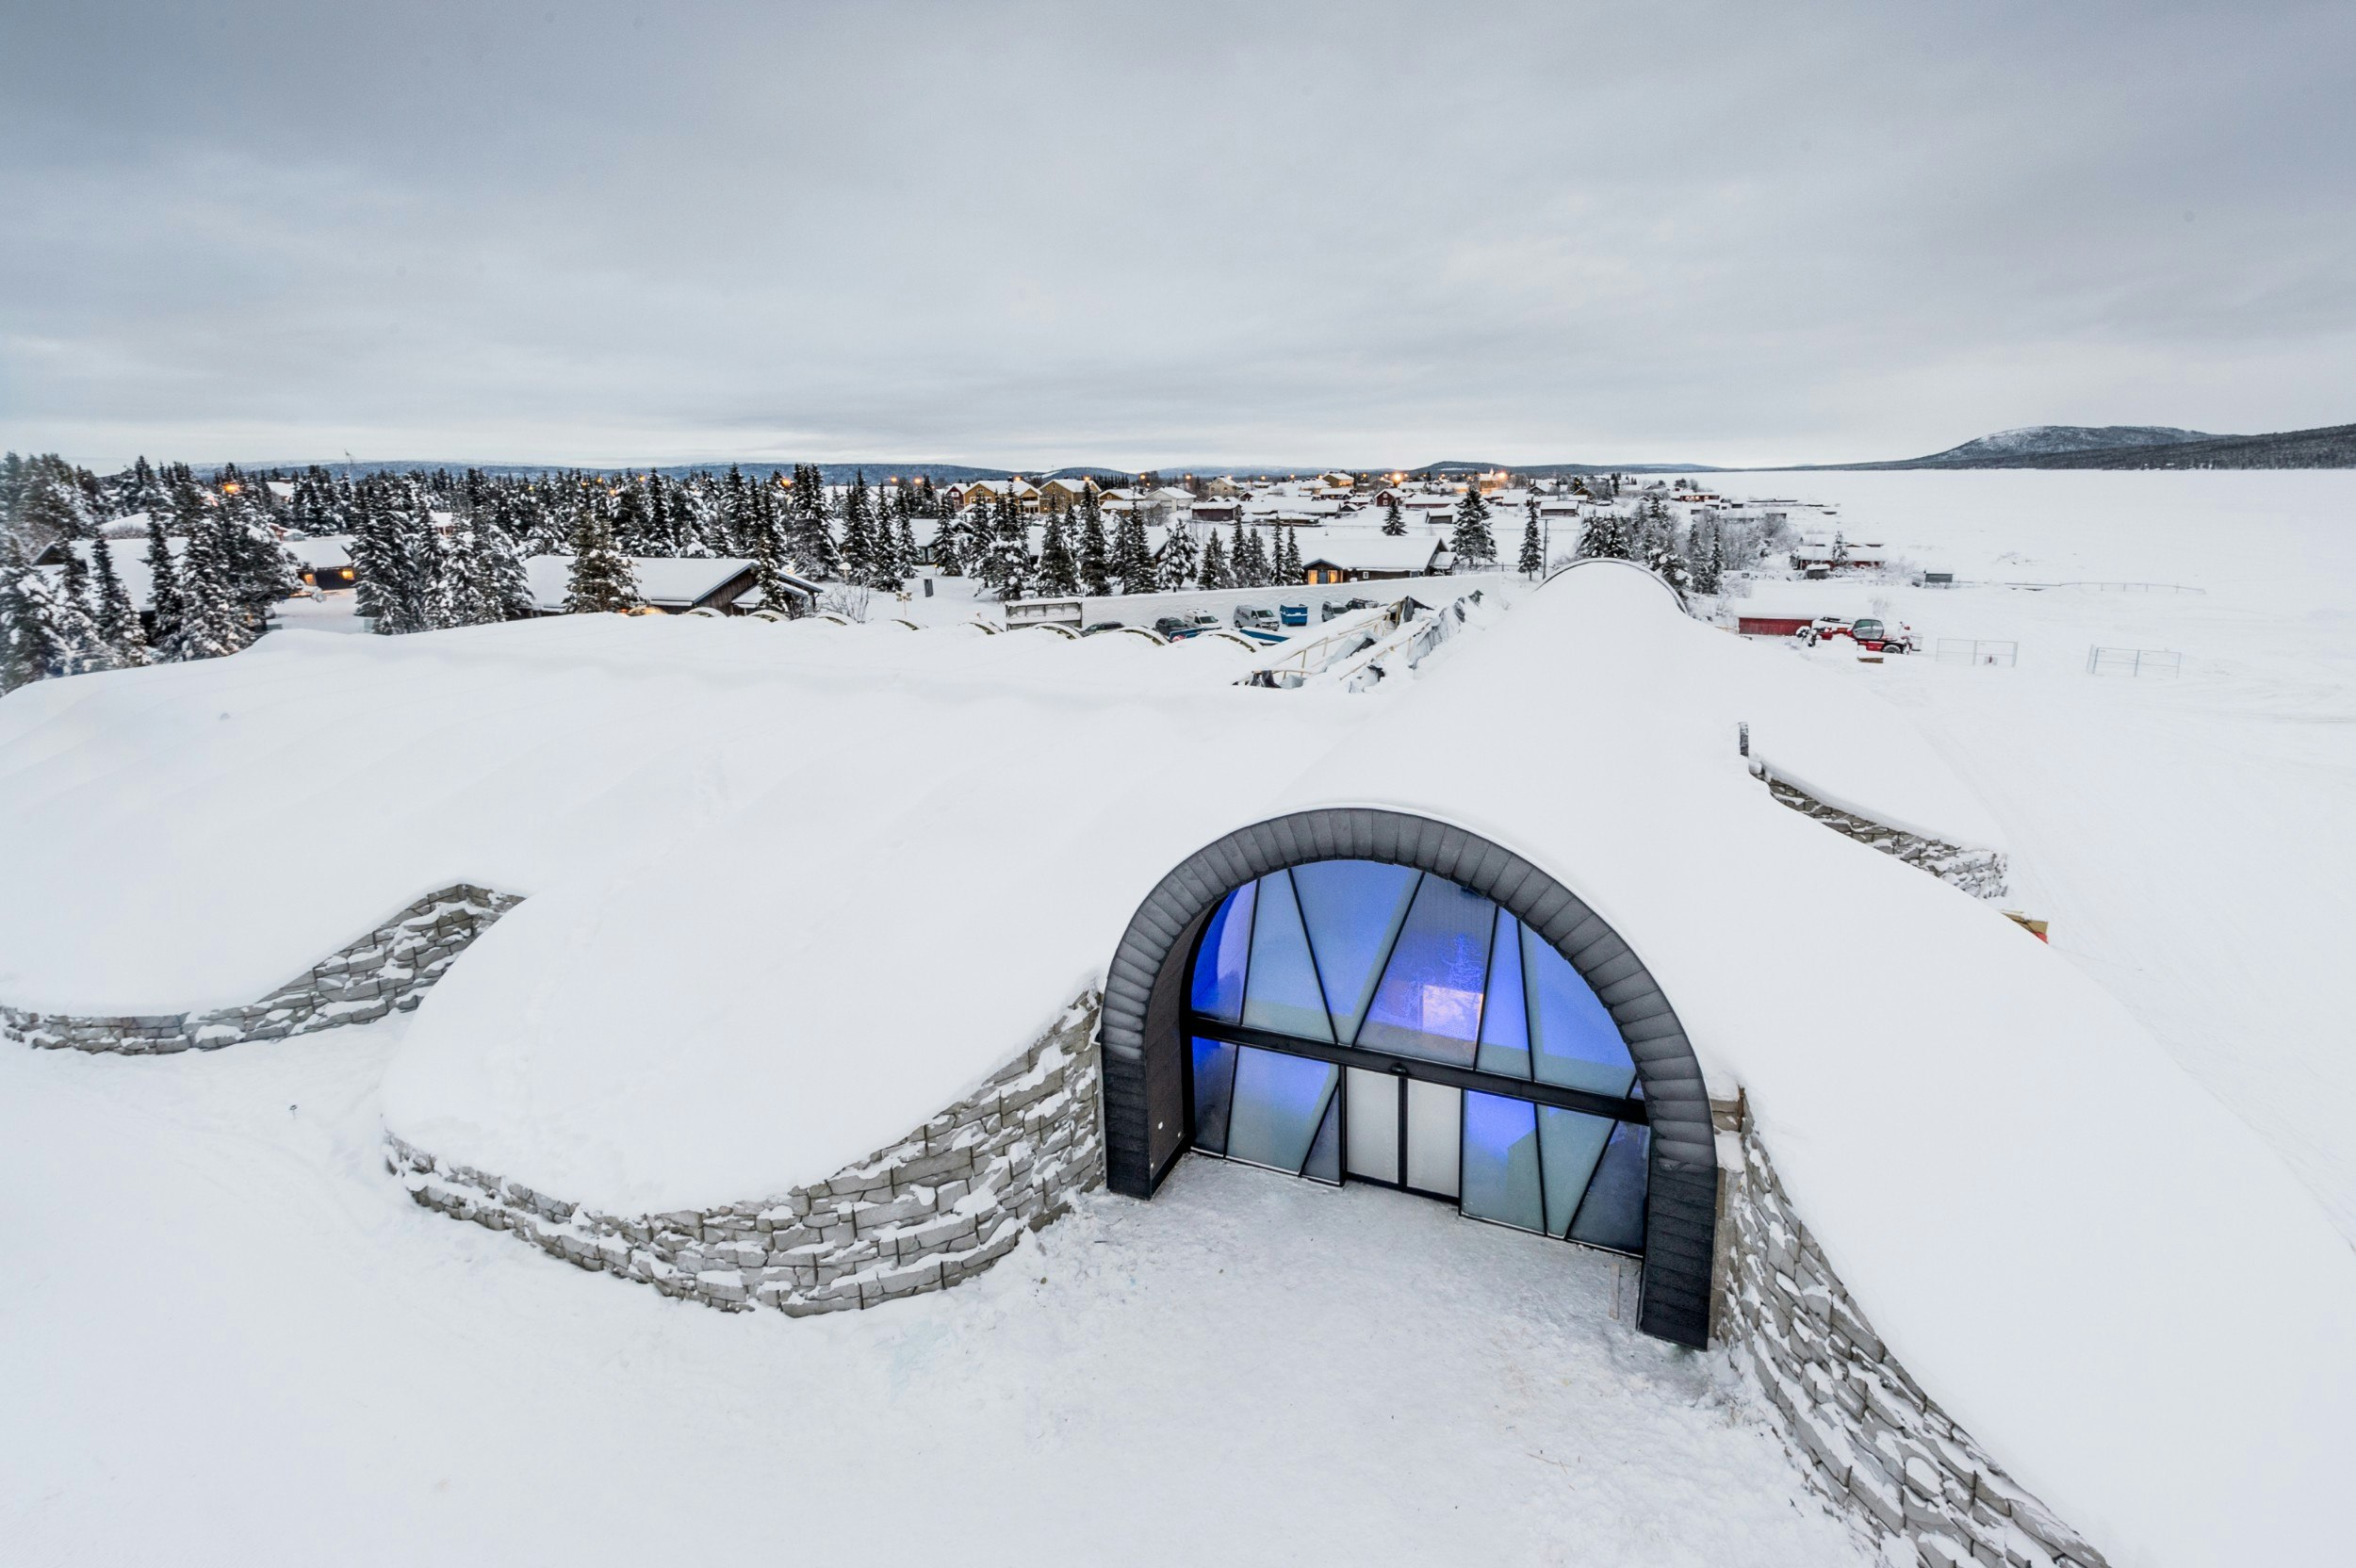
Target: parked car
1093 627
1177 627
1252 618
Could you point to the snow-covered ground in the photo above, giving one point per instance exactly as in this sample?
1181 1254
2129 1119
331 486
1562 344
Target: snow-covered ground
228 1337
2192 839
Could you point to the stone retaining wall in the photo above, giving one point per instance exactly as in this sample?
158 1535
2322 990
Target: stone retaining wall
390 967
1977 871
939 1206
1871 1441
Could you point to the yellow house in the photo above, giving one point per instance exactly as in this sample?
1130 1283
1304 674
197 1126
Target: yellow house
1064 494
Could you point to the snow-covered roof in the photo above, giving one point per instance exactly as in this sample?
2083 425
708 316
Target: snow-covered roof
1370 550
331 550
130 559
792 888
667 582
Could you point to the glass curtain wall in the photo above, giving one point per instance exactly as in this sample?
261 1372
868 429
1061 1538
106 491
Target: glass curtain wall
1355 965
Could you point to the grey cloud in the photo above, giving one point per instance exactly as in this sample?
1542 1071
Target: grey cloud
1027 233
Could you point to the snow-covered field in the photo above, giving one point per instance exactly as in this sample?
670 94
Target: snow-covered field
2192 839
228 1336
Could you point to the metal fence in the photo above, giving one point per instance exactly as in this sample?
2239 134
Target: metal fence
2134 662
1977 650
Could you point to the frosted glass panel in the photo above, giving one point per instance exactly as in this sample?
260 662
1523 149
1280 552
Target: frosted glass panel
1214 1092
1569 1143
1613 1213
1428 1002
1501 1161
1504 1024
1373 1124
1433 1126
1353 910
1217 981
1279 1102
1325 1150
1281 995
1574 1042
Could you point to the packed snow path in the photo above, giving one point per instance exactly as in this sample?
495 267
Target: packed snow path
229 1337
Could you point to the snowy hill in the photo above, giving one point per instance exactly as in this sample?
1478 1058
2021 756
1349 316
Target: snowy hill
2046 440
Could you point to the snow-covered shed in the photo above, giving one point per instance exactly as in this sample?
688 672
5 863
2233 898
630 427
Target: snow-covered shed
844 952
1351 555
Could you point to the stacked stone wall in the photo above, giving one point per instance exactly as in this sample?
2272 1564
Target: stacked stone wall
1871 1441
1977 871
390 967
939 1206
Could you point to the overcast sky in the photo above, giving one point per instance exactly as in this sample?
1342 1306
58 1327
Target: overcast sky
1181 234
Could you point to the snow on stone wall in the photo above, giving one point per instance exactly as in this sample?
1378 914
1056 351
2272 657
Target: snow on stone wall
1977 871
1870 1440
391 966
938 1206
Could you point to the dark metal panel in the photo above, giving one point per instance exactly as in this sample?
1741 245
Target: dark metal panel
1144 1055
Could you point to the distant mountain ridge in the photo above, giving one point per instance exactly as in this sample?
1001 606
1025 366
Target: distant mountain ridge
2141 447
2050 440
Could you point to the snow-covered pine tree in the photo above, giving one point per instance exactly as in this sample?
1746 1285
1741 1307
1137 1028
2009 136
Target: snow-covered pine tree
1606 535
1240 550
1133 556
1394 521
163 594
1058 573
118 622
1214 574
1472 544
630 527
1180 560
212 623
812 533
1288 557
262 572
28 639
1533 557
904 547
860 561
1007 567
1705 555
601 579
1095 549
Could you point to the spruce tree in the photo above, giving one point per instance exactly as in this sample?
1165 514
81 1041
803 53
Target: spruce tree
1132 557
1533 559
163 594
1180 559
1095 552
1606 535
1214 574
601 579
1394 522
212 623
1288 557
903 549
859 555
1473 545
28 639
1058 573
118 622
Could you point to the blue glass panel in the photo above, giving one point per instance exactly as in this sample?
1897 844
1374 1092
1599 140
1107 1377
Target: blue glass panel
1428 1002
1281 995
1353 910
1573 1040
1501 1161
1214 1092
1613 1213
1217 989
1279 1102
1325 1154
1569 1143
1504 1023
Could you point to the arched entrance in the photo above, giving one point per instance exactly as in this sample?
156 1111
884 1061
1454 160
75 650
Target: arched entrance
1431 1011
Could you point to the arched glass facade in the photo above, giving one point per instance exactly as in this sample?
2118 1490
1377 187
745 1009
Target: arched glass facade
1354 1020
